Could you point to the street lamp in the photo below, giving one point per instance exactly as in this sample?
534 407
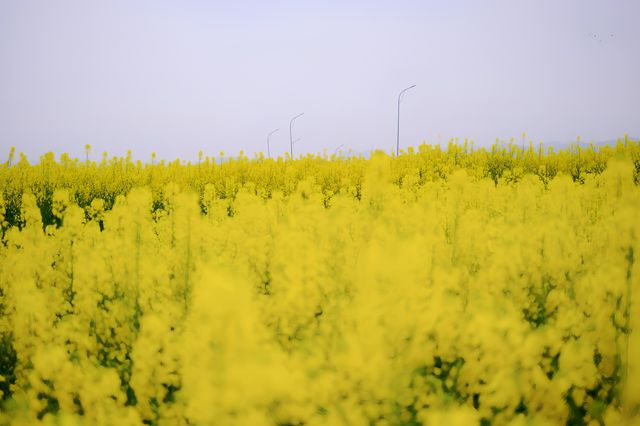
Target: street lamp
268 147
290 131
398 133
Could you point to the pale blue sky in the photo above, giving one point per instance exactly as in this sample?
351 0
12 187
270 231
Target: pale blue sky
178 76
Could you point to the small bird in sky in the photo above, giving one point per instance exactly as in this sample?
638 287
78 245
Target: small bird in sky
597 38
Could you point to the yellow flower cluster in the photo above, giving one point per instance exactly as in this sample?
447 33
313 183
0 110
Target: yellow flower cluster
440 287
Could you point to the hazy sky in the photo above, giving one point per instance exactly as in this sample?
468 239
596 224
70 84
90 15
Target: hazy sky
175 76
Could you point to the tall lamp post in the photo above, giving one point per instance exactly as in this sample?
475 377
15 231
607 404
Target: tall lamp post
291 131
398 133
268 146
